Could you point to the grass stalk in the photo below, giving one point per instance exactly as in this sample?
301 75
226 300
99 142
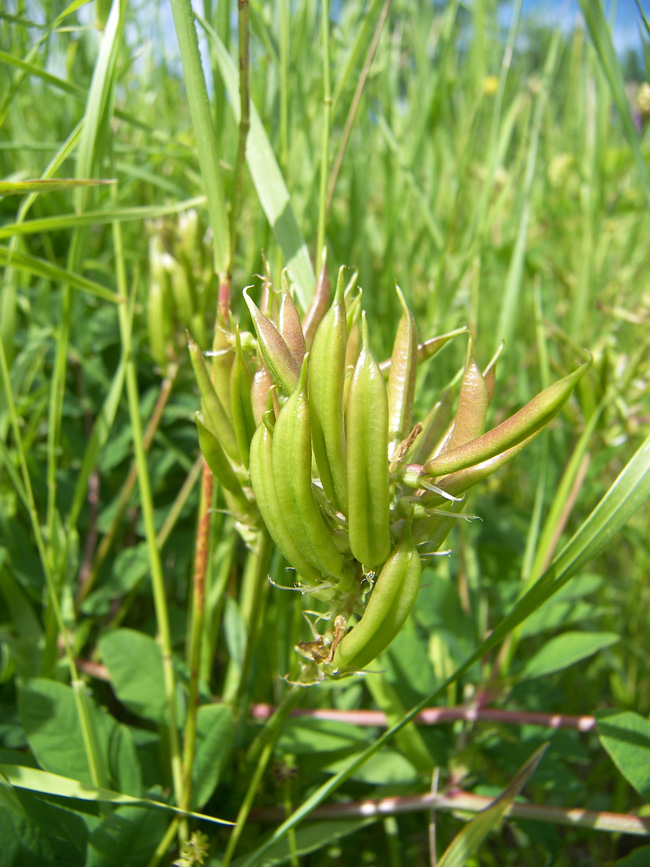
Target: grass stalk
244 120
201 557
327 120
86 585
259 754
146 503
206 140
163 535
354 105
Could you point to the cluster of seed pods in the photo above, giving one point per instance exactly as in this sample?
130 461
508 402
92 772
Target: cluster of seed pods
314 439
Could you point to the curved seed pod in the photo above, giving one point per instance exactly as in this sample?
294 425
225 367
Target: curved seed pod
158 323
289 324
216 419
261 471
401 380
281 364
181 289
390 603
490 372
367 443
433 427
319 302
223 357
535 415
260 388
326 383
240 405
292 477
219 463
473 401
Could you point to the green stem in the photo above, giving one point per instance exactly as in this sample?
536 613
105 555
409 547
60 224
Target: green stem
260 753
327 120
204 132
107 540
163 535
146 502
196 637
354 105
252 613
244 120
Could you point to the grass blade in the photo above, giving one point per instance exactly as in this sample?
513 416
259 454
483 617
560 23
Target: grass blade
269 183
470 838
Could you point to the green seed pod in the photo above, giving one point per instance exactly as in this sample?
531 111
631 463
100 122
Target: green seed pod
241 406
401 379
326 384
216 419
535 415
260 388
281 364
158 323
433 427
367 444
181 289
289 324
261 472
473 403
292 477
219 463
390 603
223 357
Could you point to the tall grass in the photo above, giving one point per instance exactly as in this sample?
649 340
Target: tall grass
495 172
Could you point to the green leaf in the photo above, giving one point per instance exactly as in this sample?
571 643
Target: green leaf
626 737
23 842
638 858
124 762
19 188
564 650
36 780
97 218
602 38
214 729
134 662
48 271
267 177
50 718
128 836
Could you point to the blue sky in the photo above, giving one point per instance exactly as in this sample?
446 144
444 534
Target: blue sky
626 19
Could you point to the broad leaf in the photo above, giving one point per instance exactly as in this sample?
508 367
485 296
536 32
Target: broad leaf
564 650
134 662
626 737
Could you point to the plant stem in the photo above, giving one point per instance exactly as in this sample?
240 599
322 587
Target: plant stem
196 635
146 502
259 754
354 105
127 489
459 801
204 132
327 119
163 534
244 120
